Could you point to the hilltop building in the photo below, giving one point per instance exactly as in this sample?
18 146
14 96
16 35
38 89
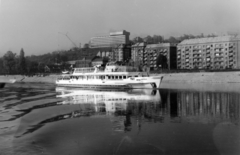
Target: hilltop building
209 53
115 44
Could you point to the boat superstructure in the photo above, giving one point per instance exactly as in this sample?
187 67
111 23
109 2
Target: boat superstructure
111 77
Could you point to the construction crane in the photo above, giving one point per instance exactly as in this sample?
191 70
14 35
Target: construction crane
68 39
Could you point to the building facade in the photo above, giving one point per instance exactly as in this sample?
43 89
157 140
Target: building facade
137 51
209 53
121 53
147 55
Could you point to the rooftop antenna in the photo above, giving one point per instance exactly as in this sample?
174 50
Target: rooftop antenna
68 38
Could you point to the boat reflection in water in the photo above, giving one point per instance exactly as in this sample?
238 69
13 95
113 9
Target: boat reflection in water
112 103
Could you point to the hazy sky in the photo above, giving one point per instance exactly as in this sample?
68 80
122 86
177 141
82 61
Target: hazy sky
38 26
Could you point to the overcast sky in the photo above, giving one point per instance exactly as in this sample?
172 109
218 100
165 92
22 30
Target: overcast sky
40 26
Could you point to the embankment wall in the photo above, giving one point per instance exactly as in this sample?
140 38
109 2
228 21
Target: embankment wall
202 77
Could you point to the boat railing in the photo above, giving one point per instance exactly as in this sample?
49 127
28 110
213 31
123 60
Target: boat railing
107 69
84 70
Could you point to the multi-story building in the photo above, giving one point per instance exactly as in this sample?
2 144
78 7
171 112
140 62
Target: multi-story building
148 56
137 51
111 40
209 53
116 45
120 53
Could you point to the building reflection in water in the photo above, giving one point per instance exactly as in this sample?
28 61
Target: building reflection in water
149 106
208 106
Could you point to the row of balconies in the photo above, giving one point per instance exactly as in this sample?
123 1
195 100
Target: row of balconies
207 46
203 55
220 48
203 65
154 51
205 60
216 54
218 66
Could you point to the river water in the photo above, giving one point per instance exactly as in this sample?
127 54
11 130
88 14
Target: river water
48 120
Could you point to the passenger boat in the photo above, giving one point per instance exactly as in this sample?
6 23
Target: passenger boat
113 76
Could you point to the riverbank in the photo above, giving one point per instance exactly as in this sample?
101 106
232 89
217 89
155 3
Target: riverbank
32 79
202 77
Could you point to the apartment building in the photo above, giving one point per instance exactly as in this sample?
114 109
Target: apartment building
150 54
209 53
137 51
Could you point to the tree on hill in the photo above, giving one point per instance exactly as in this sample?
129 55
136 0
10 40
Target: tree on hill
41 67
9 61
1 66
22 62
31 66
137 40
172 39
148 39
157 39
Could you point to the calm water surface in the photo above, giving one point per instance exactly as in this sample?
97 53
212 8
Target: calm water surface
43 119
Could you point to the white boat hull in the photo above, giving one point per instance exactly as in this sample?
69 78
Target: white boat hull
131 83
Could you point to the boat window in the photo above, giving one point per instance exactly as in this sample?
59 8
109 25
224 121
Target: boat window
124 77
112 77
116 77
120 77
136 76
